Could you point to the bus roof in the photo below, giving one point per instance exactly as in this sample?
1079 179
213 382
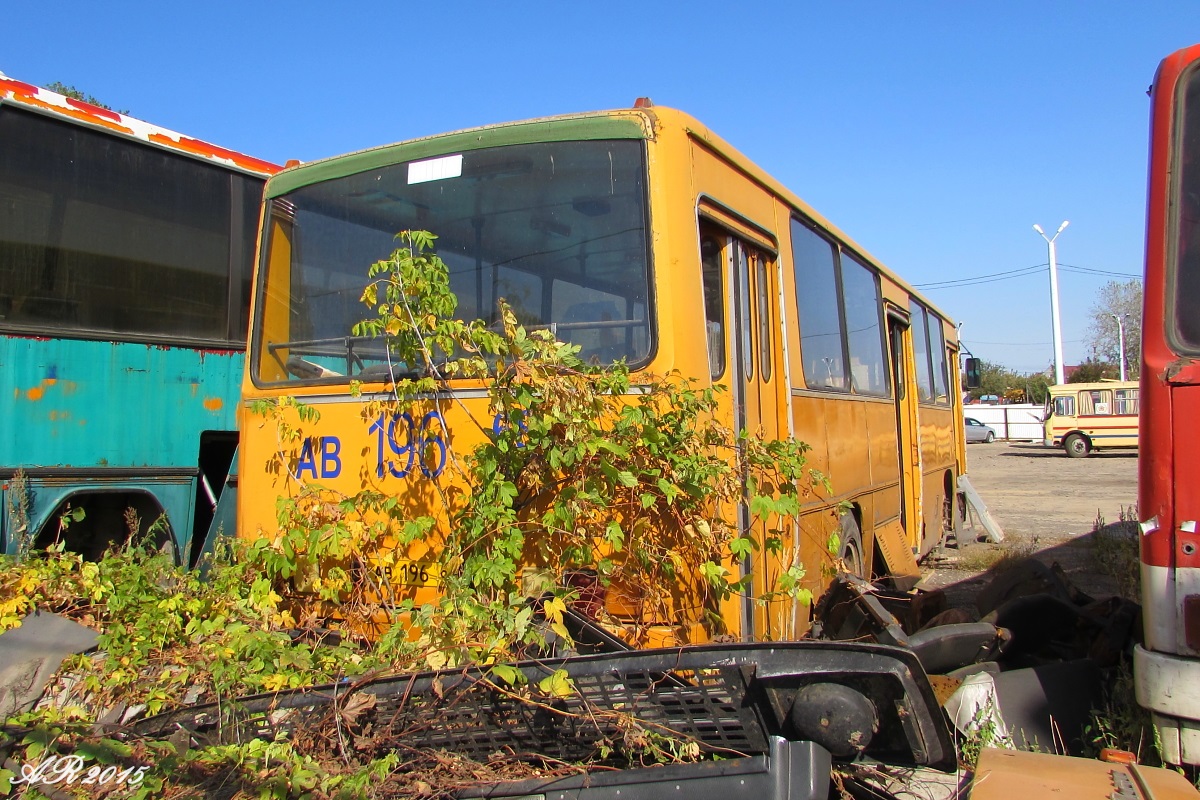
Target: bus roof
1107 383
627 123
51 103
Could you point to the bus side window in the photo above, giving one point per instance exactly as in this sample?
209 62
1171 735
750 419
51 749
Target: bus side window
714 306
764 316
819 307
1127 401
1095 403
1064 406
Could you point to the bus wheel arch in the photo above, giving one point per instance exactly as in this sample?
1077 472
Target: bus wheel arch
1077 445
953 504
850 545
107 523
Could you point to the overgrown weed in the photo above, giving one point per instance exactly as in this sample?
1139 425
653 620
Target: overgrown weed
643 495
1115 552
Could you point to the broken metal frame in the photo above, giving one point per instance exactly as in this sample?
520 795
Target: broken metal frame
734 701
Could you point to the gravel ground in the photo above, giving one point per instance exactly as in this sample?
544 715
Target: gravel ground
1056 508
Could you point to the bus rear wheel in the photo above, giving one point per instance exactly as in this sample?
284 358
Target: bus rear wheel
851 549
1077 445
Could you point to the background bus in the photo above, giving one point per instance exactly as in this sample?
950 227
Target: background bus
1082 417
1167 669
125 260
642 236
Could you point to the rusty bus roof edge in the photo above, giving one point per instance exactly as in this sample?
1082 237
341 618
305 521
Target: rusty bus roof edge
44 101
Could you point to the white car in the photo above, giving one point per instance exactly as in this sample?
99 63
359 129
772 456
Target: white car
978 432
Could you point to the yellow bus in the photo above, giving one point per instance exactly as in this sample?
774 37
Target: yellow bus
636 234
1082 417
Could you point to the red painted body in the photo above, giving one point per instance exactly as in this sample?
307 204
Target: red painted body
1169 473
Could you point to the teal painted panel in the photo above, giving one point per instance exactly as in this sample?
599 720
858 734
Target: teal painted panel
176 497
112 404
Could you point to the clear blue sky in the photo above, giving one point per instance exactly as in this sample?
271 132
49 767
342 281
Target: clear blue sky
934 133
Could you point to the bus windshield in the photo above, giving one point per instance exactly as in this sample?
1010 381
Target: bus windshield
558 229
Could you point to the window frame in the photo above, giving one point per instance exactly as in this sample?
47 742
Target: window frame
104 161
805 278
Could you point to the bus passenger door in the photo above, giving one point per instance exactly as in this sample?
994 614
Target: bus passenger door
908 440
754 354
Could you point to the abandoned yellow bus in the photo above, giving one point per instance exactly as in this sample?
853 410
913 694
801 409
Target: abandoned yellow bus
640 237
1082 417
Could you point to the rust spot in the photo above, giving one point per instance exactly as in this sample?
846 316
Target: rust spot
91 109
79 111
1174 368
36 393
212 151
213 403
35 97
18 87
49 381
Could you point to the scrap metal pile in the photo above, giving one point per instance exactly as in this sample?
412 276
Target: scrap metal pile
861 708
1029 656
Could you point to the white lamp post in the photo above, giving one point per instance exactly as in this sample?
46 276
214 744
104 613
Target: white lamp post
1059 376
1121 339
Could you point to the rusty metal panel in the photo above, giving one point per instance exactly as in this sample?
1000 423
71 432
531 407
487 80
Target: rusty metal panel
112 404
48 102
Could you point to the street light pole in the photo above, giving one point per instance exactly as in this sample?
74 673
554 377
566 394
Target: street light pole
1121 339
1059 375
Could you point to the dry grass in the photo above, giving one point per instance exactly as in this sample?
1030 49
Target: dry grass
995 558
1115 552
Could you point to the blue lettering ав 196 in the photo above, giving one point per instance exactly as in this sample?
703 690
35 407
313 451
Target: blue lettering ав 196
401 443
327 450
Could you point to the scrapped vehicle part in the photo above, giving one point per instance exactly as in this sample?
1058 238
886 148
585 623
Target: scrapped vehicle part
972 499
856 610
1050 706
32 653
1014 773
1039 649
839 718
1052 620
974 707
1028 576
951 647
749 704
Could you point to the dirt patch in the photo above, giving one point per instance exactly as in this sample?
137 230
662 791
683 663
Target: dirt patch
1058 509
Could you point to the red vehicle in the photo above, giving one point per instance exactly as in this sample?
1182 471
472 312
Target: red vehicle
1167 668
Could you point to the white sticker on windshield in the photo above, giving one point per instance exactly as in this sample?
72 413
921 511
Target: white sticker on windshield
435 169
